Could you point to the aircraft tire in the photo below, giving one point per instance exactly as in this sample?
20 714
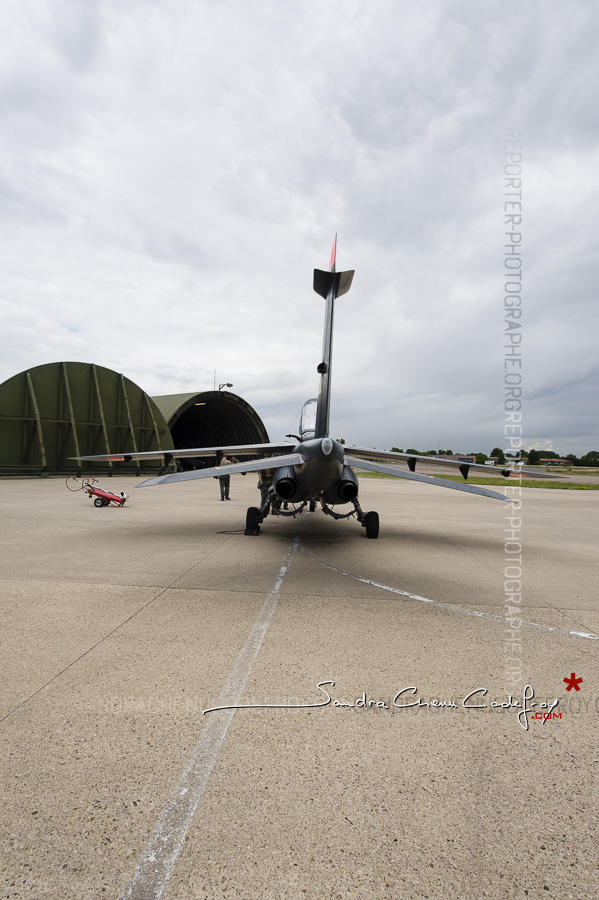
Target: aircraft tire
372 525
252 518
98 501
312 505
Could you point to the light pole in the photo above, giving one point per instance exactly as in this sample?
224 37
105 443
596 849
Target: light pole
224 384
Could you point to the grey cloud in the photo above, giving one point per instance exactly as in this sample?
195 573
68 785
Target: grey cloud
174 172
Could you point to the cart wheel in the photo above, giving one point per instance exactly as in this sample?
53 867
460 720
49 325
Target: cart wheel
98 501
105 502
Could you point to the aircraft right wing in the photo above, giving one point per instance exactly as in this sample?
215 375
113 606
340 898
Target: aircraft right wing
425 479
414 460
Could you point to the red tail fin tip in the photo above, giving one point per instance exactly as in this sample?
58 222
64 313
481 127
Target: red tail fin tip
333 258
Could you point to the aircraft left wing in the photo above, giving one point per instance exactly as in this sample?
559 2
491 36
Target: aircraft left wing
254 465
168 455
426 479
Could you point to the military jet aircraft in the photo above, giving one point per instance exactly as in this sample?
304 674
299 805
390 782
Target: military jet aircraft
314 468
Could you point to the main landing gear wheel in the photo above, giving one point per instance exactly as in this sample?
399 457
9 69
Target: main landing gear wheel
252 520
98 501
372 524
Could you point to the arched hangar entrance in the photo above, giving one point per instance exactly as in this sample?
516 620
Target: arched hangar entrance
210 419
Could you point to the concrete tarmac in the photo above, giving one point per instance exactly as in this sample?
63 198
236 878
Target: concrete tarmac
120 627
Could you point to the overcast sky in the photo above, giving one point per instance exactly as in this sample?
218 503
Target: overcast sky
173 170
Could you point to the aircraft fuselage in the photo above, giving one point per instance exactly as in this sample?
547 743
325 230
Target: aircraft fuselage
322 476
323 464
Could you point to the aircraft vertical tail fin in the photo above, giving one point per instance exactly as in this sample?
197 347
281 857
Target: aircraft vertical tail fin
329 285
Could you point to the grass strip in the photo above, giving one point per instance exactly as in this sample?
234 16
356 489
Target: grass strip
502 482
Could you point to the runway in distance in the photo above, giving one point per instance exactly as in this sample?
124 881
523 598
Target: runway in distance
315 469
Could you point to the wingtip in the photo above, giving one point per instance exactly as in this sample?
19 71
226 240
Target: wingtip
151 481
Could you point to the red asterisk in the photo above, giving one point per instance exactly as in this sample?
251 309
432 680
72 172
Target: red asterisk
573 682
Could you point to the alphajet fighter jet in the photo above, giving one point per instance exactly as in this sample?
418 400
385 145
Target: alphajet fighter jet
314 468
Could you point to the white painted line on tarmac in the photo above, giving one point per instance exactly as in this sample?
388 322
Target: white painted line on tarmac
159 857
451 606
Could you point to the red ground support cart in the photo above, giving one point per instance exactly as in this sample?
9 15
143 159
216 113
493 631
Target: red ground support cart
100 496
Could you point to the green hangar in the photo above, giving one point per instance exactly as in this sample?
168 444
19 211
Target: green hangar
59 410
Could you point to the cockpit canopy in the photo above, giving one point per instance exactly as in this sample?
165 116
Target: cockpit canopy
307 426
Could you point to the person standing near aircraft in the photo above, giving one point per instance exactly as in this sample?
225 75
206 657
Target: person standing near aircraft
224 480
265 481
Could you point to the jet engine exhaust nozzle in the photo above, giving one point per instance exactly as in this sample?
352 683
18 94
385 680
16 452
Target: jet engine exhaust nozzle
347 491
287 486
